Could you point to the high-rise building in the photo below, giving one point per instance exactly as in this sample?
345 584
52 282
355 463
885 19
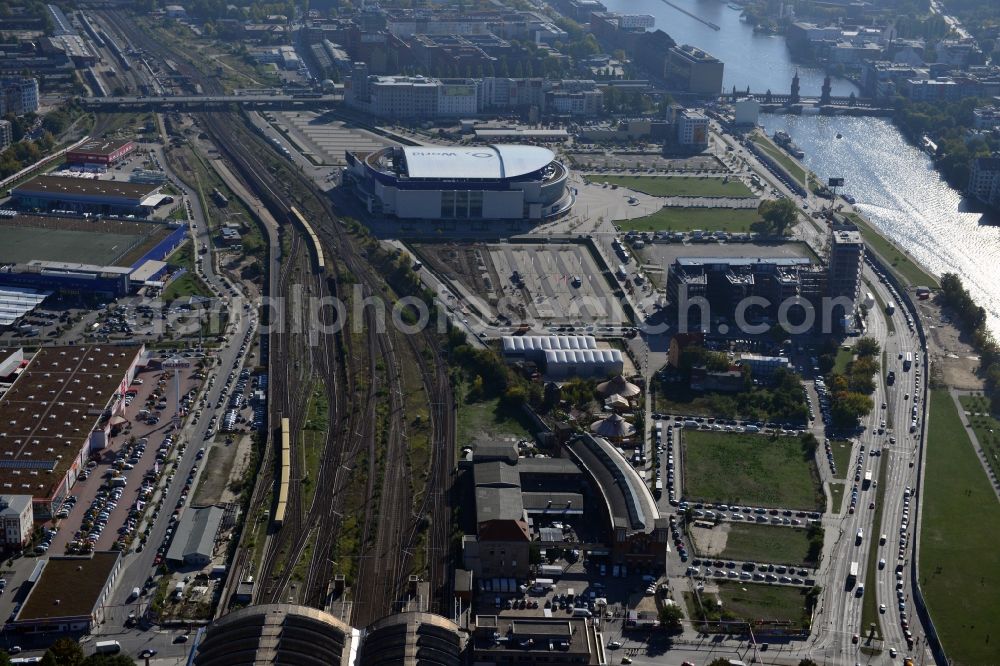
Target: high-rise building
692 129
6 134
847 258
19 95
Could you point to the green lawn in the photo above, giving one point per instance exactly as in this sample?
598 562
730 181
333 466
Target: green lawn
688 219
959 563
767 543
682 186
909 271
782 158
837 497
753 602
844 356
188 284
487 419
986 427
841 456
745 468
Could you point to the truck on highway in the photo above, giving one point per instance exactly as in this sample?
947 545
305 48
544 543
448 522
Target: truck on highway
868 479
889 309
852 574
107 647
907 361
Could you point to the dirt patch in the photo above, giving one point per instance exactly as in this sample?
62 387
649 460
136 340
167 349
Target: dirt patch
468 264
953 359
223 463
710 542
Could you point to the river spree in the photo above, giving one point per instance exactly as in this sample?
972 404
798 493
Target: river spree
894 183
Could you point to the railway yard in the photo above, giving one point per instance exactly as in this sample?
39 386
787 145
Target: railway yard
481 428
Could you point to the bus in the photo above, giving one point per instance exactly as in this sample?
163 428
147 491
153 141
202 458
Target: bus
907 361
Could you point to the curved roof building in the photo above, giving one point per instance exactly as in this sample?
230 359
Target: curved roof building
276 634
413 639
500 182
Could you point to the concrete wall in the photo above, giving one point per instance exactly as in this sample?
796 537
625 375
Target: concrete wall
418 204
503 205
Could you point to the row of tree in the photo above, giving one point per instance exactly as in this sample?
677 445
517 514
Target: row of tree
972 320
948 125
852 388
67 652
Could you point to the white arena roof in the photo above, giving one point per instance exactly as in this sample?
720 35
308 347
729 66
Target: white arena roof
474 163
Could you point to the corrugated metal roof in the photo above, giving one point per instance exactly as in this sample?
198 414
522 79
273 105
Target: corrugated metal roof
528 343
195 533
582 356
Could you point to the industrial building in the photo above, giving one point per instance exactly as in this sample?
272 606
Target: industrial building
499 182
68 594
88 195
194 541
102 152
537 640
57 411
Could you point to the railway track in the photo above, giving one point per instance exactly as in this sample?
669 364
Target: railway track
356 375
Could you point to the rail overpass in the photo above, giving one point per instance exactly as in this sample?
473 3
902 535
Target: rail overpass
210 102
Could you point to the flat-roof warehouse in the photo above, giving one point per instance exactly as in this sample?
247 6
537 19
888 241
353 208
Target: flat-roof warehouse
86 195
58 409
69 593
105 152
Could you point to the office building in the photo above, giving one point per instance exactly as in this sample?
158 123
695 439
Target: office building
984 180
18 519
689 69
18 95
6 134
847 259
692 129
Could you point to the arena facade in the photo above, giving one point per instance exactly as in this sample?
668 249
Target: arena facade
498 182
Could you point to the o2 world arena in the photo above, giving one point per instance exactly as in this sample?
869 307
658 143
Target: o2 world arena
502 182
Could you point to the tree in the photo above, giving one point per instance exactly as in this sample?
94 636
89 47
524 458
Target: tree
807 661
718 662
48 659
67 652
780 215
671 616
108 660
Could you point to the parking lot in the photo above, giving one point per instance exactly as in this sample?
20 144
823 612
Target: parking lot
559 284
324 139
113 491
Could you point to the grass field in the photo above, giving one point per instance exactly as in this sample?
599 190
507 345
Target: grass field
682 186
841 456
910 272
755 602
765 144
959 563
487 419
767 543
744 468
836 497
689 219
22 244
844 356
188 284
986 427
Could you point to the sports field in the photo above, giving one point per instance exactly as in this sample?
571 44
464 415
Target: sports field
101 243
744 468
